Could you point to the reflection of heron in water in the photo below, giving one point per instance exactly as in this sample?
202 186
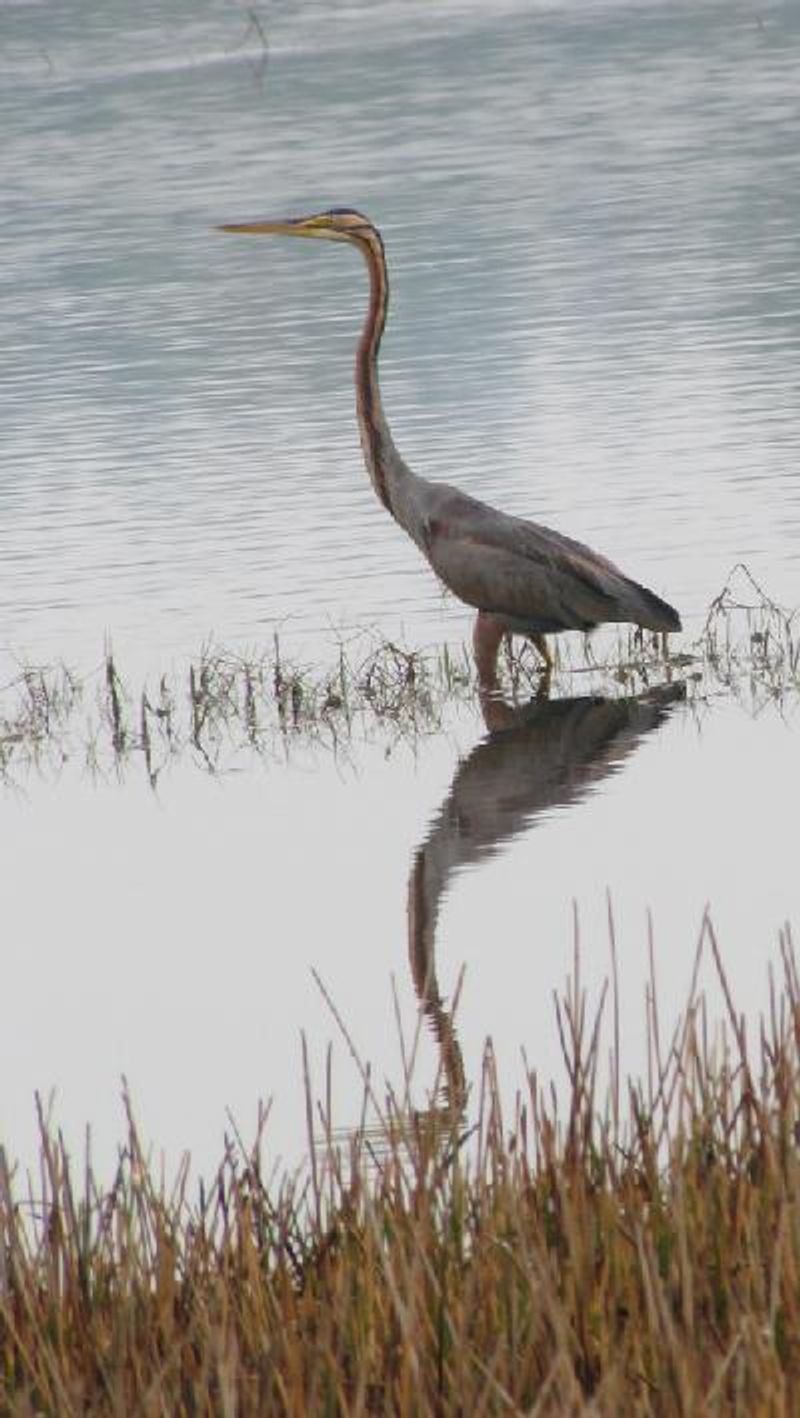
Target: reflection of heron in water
549 754
522 578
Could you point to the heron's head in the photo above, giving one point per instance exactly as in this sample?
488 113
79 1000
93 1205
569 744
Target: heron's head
338 224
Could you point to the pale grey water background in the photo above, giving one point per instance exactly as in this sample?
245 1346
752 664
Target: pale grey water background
592 216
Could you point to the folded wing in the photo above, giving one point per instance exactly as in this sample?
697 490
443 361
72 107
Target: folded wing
536 578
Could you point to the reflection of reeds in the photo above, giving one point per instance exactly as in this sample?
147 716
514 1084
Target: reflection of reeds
227 703
638 1255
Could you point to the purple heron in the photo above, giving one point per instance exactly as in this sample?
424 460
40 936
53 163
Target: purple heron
522 578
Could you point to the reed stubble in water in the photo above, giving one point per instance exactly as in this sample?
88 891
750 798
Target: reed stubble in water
228 704
634 1255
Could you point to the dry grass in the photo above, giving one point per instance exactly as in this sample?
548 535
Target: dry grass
637 1254
225 707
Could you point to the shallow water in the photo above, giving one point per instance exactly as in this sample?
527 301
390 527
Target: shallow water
171 938
592 220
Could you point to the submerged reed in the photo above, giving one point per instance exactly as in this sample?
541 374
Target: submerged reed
633 1254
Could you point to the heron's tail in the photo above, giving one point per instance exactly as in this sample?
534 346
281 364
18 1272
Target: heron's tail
655 614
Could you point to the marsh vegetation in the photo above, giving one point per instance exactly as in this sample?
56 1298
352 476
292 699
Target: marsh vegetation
225 704
627 1246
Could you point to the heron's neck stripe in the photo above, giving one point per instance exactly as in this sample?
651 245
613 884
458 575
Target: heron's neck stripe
368 397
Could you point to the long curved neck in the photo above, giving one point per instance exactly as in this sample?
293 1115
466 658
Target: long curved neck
384 464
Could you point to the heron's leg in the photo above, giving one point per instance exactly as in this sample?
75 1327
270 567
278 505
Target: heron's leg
543 690
544 650
486 638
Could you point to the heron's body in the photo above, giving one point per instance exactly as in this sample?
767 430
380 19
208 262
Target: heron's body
522 578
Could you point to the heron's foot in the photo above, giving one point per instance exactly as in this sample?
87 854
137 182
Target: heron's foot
546 673
543 687
497 714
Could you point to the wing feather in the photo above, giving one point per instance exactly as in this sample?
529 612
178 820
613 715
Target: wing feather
531 573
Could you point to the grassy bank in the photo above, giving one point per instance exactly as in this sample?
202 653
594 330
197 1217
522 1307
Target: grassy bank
635 1252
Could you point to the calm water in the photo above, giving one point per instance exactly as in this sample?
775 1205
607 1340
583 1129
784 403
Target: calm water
592 217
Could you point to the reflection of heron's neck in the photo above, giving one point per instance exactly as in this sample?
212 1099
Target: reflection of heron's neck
423 909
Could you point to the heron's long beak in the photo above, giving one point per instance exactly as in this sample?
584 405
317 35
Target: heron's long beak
299 227
258 227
